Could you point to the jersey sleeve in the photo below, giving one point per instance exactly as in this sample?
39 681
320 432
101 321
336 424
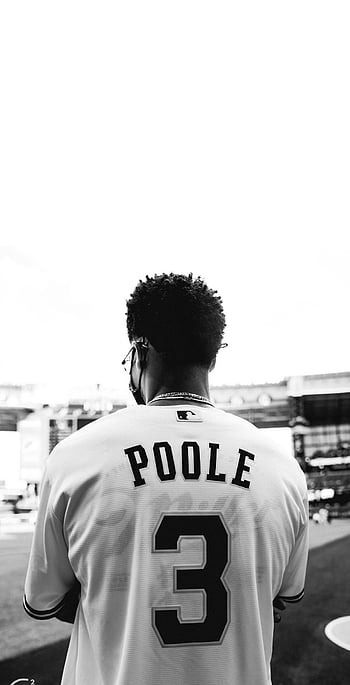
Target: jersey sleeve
292 588
50 578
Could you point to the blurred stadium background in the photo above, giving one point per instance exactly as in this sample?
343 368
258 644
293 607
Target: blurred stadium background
307 415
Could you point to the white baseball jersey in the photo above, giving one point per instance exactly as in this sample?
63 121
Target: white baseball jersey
182 524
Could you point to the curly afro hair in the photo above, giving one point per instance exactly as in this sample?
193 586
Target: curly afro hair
182 318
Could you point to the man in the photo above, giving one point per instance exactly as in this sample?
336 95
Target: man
179 524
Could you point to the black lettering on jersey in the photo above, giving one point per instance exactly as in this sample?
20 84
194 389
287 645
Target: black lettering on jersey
242 466
137 465
171 630
212 475
165 447
196 472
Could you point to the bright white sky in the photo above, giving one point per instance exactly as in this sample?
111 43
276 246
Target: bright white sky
142 137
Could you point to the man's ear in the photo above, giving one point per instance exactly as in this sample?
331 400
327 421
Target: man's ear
142 349
212 364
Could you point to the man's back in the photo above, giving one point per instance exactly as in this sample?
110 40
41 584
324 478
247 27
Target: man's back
182 525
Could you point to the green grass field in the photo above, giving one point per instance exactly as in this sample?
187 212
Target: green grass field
302 654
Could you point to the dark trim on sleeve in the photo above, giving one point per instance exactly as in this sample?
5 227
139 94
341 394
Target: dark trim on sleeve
292 598
42 614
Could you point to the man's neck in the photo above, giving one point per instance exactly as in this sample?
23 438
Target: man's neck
189 386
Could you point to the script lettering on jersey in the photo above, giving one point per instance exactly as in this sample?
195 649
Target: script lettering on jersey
192 463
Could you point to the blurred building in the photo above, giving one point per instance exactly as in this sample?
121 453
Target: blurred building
33 419
314 413
83 406
315 408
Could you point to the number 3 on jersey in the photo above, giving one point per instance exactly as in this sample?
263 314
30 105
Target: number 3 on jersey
171 631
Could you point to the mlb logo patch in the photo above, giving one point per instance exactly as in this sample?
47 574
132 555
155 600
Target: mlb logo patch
188 415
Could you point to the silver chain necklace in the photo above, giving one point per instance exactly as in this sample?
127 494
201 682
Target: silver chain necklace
181 396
